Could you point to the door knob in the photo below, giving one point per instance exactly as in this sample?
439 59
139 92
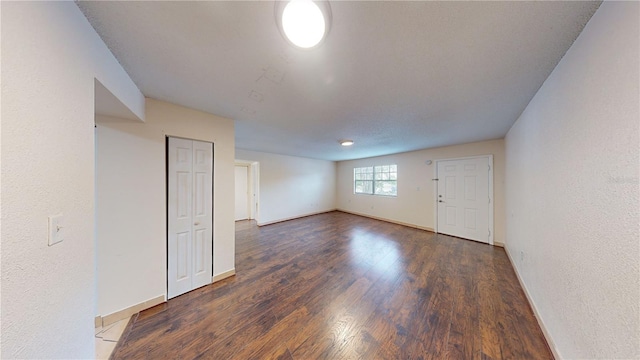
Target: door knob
196 223
440 201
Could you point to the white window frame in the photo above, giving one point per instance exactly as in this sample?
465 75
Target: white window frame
373 174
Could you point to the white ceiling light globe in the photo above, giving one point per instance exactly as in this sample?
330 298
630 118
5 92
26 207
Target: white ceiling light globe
303 23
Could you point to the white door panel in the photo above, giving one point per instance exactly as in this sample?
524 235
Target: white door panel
463 198
203 216
181 275
200 249
190 165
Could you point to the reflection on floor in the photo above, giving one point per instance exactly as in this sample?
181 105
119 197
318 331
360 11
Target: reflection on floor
107 337
340 286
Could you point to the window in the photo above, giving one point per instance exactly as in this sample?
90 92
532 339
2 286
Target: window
376 180
363 180
386 180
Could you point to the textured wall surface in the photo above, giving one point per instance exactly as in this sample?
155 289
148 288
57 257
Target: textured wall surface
572 192
416 191
131 200
50 57
292 186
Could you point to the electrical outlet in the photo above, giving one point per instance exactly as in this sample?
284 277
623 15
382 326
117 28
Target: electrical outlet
56 229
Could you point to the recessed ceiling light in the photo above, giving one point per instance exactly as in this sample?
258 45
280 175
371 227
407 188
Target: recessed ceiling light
303 22
346 142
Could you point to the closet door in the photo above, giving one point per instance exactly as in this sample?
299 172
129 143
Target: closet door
190 219
202 213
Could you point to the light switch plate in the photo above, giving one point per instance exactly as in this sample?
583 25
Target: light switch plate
56 230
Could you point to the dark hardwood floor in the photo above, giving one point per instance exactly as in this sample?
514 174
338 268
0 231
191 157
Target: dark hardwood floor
340 286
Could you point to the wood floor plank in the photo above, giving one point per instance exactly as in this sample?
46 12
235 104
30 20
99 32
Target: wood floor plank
465 318
272 341
317 336
340 286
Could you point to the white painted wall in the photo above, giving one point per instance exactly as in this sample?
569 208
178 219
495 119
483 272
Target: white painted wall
50 57
131 200
414 204
0 181
292 186
572 192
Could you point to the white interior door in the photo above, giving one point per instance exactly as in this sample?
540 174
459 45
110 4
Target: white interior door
190 218
202 213
242 192
463 198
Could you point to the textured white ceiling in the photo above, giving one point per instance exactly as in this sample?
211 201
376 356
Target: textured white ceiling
393 76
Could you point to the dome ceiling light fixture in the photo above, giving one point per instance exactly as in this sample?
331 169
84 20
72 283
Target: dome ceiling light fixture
303 23
346 142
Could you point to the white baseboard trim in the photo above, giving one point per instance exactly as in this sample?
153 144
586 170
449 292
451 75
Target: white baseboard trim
127 312
295 217
545 332
497 243
223 275
387 220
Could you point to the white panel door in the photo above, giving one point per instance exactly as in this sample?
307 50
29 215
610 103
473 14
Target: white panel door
463 198
202 213
190 218
242 192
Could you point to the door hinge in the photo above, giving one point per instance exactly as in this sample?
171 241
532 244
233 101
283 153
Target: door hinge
489 167
489 230
489 200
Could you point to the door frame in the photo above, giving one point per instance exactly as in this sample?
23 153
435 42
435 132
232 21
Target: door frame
491 197
249 190
253 181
